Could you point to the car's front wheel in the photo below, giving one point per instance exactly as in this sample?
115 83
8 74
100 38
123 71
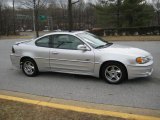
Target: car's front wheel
29 67
114 72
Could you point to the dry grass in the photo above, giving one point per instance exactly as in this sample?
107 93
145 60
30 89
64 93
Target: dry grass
10 110
132 38
15 37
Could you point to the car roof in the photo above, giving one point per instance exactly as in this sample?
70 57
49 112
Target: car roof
64 32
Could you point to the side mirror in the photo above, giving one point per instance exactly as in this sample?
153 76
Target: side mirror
83 48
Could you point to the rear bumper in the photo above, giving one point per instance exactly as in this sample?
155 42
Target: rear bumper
15 59
140 71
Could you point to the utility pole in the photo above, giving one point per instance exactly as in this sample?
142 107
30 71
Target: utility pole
70 17
34 26
35 18
14 28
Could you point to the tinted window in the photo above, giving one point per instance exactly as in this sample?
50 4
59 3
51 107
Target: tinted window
43 42
91 39
66 42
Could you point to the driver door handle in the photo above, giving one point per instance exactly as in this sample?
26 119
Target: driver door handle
55 53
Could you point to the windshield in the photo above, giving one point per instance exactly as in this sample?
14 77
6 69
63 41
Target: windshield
92 40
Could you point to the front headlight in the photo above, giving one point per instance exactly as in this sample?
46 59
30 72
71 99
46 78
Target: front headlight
143 60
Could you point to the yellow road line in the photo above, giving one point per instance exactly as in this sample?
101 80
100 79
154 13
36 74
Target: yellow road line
80 109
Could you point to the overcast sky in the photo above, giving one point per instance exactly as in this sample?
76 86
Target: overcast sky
65 1
92 1
50 0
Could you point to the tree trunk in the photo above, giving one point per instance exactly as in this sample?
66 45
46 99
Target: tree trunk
36 23
0 20
35 10
14 26
70 15
158 17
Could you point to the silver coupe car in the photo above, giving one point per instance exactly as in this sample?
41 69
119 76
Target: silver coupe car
81 53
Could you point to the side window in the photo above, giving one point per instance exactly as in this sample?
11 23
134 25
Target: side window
66 42
43 42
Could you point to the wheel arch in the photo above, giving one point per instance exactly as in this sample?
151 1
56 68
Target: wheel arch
26 57
112 61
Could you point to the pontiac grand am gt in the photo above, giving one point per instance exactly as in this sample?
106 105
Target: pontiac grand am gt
81 53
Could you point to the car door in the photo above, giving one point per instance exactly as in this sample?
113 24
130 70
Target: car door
64 55
41 52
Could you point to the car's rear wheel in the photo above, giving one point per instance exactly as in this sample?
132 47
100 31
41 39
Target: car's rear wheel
114 72
29 67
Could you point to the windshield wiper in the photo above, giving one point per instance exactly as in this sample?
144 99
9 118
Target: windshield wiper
102 46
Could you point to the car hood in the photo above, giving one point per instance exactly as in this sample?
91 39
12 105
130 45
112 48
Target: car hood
125 50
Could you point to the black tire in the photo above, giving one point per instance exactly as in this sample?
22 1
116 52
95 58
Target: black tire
29 67
114 72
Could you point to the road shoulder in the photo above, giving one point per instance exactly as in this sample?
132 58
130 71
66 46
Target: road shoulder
99 109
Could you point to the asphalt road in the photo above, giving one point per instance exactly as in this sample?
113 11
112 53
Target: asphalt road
141 92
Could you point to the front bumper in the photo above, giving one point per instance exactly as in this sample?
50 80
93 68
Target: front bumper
15 59
140 71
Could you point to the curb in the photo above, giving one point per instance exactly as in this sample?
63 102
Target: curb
77 108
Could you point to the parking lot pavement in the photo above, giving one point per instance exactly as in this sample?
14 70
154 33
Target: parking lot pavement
141 92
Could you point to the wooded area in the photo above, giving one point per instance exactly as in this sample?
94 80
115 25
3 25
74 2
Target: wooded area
38 15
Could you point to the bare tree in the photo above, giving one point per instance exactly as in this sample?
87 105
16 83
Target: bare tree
0 17
156 5
63 13
14 28
70 17
6 24
35 5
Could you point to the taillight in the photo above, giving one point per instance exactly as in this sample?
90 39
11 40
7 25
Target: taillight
13 51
